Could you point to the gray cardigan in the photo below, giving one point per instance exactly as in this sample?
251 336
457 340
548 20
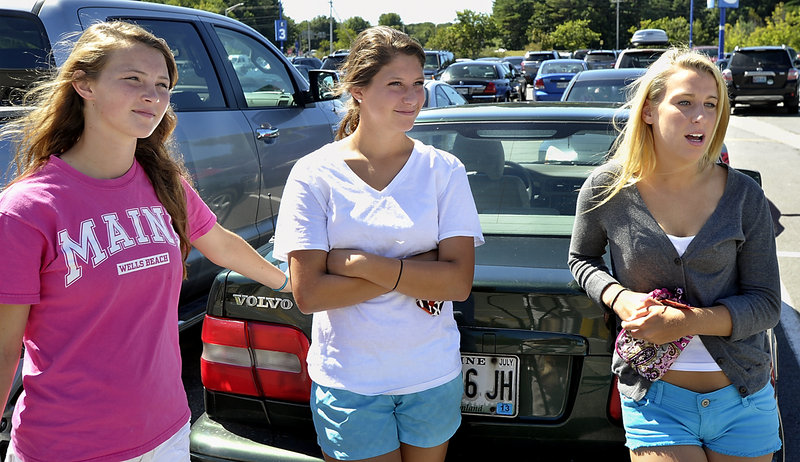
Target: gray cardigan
732 261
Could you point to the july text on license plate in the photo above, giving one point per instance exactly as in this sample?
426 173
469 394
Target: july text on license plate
491 384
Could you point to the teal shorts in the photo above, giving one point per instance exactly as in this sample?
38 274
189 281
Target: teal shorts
723 421
351 426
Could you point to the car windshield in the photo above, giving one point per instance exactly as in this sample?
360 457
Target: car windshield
555 67
524 176
460 71
333 62
761 58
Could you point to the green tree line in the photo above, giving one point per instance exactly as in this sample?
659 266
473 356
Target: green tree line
535 25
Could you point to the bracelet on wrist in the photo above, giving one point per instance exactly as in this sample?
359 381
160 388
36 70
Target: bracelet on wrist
285 281
398 276
616 297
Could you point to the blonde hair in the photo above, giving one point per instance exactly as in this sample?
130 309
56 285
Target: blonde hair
634 149
56 122
373 48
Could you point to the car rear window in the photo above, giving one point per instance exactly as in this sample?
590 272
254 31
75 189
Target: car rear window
480 71
595 57
641 59
608 91
760 58
538 56
555 67
523 175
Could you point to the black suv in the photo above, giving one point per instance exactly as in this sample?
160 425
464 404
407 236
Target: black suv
763 75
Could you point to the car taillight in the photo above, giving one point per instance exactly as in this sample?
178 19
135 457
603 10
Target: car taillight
255 359
489 89
792 74
727 75
539 84
614 402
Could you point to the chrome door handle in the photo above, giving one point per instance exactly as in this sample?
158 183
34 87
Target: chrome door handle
266 133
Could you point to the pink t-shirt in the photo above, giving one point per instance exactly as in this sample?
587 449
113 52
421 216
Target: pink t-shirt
100 265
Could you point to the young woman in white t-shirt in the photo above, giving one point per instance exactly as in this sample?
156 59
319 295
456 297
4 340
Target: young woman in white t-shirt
378 230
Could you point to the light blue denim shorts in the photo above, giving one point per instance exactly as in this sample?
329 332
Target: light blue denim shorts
351 426
723 420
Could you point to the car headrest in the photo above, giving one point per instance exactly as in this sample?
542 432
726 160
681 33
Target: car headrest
480 156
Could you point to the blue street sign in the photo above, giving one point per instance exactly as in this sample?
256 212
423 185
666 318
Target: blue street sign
281 30
729 3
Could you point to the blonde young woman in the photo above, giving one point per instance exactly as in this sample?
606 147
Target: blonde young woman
378 230
96 228
671 217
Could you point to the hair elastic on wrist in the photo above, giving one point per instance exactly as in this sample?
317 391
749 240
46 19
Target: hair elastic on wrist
285 281
398 276
616 297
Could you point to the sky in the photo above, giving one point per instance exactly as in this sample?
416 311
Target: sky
410 11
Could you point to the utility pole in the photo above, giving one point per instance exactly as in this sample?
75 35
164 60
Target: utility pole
617 2
691 21
331 26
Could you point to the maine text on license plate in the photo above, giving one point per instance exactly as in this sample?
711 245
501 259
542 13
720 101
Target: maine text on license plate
491 385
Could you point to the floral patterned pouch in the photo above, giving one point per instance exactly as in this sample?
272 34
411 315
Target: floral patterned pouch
650 360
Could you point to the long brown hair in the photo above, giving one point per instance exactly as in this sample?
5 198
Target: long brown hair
56 122
373 48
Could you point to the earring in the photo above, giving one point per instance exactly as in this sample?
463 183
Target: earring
359 101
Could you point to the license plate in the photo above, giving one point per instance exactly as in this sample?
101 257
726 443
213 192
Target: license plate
491 385
759 79
562 84
463 91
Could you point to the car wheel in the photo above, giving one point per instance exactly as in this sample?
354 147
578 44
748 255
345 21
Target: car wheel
523 94
791 107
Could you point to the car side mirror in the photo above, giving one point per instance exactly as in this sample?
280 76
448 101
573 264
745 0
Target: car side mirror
323 84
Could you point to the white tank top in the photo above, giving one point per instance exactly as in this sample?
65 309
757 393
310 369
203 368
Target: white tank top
695 356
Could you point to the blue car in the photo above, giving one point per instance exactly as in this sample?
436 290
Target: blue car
554 76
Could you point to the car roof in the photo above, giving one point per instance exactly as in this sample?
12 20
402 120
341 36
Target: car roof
634 51
524 112
762 48
610 74
565 60
482 62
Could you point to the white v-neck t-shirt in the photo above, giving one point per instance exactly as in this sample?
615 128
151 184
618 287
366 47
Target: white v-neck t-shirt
386 345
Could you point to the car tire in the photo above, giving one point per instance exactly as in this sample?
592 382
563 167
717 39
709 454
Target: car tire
791 107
